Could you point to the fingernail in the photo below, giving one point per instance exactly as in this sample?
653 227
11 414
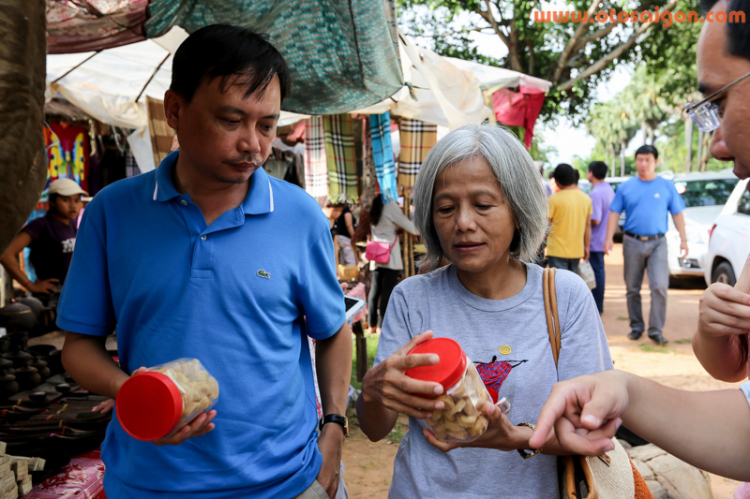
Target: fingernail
618 423
609 447
439 406
434 359
591 419
438 390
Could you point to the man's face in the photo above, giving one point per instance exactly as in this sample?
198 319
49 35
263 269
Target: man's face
717 68
646 166
224 136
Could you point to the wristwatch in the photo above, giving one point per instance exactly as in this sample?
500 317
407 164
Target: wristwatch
525 454
338 419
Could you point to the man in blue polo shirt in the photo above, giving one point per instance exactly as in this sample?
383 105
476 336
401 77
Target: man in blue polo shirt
209 257
646 200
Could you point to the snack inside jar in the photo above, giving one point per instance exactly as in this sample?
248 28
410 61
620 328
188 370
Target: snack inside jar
156 403
461 419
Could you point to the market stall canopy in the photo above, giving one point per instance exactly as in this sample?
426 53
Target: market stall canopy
492 78
111 85
341 55
437 91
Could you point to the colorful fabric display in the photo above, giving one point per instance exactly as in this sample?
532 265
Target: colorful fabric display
417 138
341 158
382 155
316 168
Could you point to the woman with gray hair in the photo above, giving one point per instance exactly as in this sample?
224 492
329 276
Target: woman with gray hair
479 205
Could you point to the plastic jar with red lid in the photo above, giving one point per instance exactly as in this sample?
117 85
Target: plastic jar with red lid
156 403
462 419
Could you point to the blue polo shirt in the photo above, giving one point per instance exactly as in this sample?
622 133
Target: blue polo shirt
646 205
232 294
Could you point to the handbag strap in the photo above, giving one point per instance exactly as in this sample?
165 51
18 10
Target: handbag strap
550 311
390 247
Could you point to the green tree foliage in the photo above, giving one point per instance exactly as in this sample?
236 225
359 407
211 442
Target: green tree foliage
575 57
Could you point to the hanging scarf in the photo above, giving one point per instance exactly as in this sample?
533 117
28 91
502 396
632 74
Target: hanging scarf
382 155
316 169
341 157
417 138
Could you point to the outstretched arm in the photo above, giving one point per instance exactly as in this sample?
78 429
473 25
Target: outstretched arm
709 430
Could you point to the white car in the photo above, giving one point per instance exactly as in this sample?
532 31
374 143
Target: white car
729 240
705 195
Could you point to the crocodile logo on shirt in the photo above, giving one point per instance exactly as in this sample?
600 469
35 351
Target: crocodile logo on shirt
494 373
263 273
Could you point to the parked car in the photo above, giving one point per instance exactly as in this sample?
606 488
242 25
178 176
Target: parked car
705 195
729 238
615 183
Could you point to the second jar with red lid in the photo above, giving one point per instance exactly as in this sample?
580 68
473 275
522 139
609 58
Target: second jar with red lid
462 418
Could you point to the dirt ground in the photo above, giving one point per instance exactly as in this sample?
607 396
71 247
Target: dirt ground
369 466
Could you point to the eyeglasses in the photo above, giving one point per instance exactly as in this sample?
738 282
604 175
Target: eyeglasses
705 114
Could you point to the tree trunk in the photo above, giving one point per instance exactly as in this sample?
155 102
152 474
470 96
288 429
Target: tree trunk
644 131
622 161
700 150
23 165
689 144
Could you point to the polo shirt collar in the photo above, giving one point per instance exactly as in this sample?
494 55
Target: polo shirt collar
164 189
259 199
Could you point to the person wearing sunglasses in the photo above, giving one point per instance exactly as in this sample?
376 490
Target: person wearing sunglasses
710 430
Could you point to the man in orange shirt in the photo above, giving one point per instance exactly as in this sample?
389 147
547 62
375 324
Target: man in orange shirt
570 221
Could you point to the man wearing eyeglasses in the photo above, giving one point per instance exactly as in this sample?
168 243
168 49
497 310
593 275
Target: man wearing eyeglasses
646 199
710 430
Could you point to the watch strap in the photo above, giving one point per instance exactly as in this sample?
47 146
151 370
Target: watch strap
338 419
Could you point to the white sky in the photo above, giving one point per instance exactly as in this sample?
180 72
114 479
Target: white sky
568 140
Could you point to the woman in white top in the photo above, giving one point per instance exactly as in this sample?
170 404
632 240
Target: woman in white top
385 220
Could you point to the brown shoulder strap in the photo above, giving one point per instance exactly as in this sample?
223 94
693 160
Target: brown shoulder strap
550 311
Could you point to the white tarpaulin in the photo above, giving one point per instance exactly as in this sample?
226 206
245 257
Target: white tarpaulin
106 84
492 78
439 92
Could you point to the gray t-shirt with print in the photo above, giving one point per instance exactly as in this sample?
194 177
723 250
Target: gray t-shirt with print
484 328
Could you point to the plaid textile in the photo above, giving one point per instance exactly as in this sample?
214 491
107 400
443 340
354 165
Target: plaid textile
161 133
316 169
417 138
382 155
341 158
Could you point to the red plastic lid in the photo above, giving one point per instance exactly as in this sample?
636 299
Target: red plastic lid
448 371
148 406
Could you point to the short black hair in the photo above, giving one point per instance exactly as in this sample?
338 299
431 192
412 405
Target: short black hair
223 50
647 149
598 169
738 33
564 175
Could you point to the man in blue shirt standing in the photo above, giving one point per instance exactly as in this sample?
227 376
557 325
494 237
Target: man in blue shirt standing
601 198
646 200
209 257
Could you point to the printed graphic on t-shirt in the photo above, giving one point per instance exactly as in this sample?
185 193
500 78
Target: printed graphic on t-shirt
494 373
68 245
